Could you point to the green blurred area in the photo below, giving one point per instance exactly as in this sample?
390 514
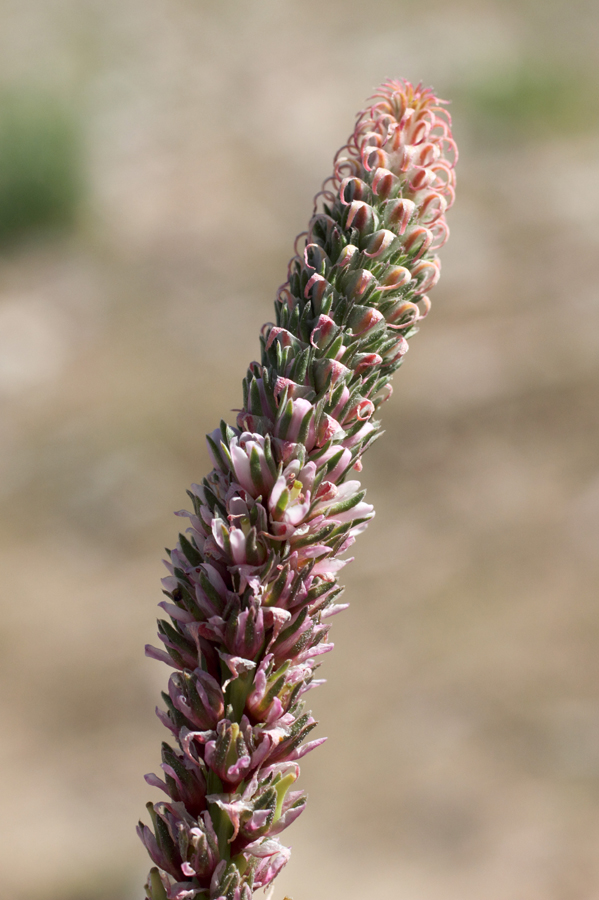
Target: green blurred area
533 102
41 165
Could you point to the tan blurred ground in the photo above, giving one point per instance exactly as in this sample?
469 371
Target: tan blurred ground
462 707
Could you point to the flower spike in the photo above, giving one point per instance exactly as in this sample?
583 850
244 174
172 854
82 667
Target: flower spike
253 581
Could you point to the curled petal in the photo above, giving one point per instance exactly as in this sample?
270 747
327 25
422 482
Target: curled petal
286 339
364 410
316 286
427 273
426 154
314 257
426 305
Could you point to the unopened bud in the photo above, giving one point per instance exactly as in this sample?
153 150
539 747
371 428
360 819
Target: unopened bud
396 277
366 361
419 239
324 329
359 282
380 243
364 318
403 315
364 409
398 213
315 258
360 215
427 273
346 255
426 154
315 287
432 207
352 189
399 349
374 158
385 183
286 339
421 178
328 371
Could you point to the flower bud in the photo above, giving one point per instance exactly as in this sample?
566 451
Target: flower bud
365 361
227 754
328 429
397 214
315 258
295 421
288 506
353 189
359 436
346 255
432 207
358 283
328 372
361 216
380 243
421 178
426 154
252 463
394 353
273 857
396 277
364 410
323 331
286 339
315 287
403 315
363 319
373 158
418 241
426 272
385 184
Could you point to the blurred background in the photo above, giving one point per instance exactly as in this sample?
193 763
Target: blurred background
157 158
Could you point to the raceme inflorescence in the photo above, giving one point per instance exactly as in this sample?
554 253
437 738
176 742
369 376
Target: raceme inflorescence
252 583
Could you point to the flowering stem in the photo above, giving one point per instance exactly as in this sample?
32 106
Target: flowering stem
253 581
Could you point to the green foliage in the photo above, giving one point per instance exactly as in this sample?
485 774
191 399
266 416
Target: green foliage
532 101
41 166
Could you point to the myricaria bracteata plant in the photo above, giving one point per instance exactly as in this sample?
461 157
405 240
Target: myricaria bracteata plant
253 581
